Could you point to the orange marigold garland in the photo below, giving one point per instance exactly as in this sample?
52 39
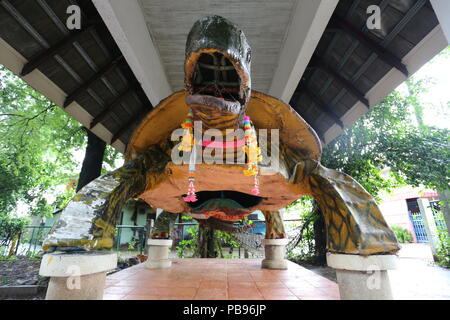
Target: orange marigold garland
188 138
253 153
251 149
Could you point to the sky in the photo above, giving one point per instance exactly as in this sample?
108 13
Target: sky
437 98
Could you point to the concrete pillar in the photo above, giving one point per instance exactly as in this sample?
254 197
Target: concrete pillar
158 253
430 224
442 10
363 278
275 250
77 276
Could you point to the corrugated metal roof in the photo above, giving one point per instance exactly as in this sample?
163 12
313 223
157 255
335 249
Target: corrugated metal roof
321 98
89 66
346 64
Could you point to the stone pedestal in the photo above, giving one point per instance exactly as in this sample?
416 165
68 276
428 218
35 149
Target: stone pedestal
158 254
275 253
77 276
363 278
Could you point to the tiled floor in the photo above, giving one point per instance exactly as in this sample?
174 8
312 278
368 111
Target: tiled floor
219 279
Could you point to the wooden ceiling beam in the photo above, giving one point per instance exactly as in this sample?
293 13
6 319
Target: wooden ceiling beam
102 115
323 106
49 53
319 63
381 52
84 86
131 122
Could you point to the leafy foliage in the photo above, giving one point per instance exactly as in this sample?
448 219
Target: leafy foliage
191 247
391 135
402 234
388 137
10 227
37 146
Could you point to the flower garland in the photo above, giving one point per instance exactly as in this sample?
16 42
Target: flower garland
188 138
251 149
253 153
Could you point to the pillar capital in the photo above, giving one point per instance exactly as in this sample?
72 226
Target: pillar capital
275 242
160 242
61 264
355 262
363 277
77 275
158 253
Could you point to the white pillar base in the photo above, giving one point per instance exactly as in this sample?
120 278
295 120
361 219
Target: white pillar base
77 276
275 252
363 278
158 254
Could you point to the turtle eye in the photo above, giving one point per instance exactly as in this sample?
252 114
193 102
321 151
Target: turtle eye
249 55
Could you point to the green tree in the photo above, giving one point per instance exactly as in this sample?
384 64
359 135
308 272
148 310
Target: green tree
392 135
37 146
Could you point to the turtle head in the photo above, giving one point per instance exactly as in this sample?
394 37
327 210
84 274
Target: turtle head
217 70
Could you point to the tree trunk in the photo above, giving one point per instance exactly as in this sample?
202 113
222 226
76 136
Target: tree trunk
320 239
93 159
206 241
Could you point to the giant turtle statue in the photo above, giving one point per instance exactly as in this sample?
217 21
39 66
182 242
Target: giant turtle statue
218 95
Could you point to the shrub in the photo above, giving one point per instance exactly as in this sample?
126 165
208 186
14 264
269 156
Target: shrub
402 234
443 250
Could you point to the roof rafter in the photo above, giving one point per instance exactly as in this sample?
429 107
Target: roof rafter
319 63
102 115
382 52
47 54
132 121
322 106
109 66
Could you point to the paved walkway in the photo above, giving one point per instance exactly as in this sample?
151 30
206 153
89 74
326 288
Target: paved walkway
219 279
416 278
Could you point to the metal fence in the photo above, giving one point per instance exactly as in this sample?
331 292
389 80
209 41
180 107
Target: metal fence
29 241
419 226
131 238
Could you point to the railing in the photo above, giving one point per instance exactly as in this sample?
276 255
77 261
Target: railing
29 241
131 241
131 238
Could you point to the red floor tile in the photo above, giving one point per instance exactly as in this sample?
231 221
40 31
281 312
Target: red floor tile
218 279
242 284
270 284
211 294
213 284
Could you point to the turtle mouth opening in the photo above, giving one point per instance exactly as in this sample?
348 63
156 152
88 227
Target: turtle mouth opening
215 82
241 199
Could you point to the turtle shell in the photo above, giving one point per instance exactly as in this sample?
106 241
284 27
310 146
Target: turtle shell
266 112
297 141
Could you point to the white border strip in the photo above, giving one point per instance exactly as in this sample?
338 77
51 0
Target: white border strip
308 23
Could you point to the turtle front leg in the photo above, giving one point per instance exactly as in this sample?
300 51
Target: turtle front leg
275 241
162 227
354 222
160 242
88 221
274 225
